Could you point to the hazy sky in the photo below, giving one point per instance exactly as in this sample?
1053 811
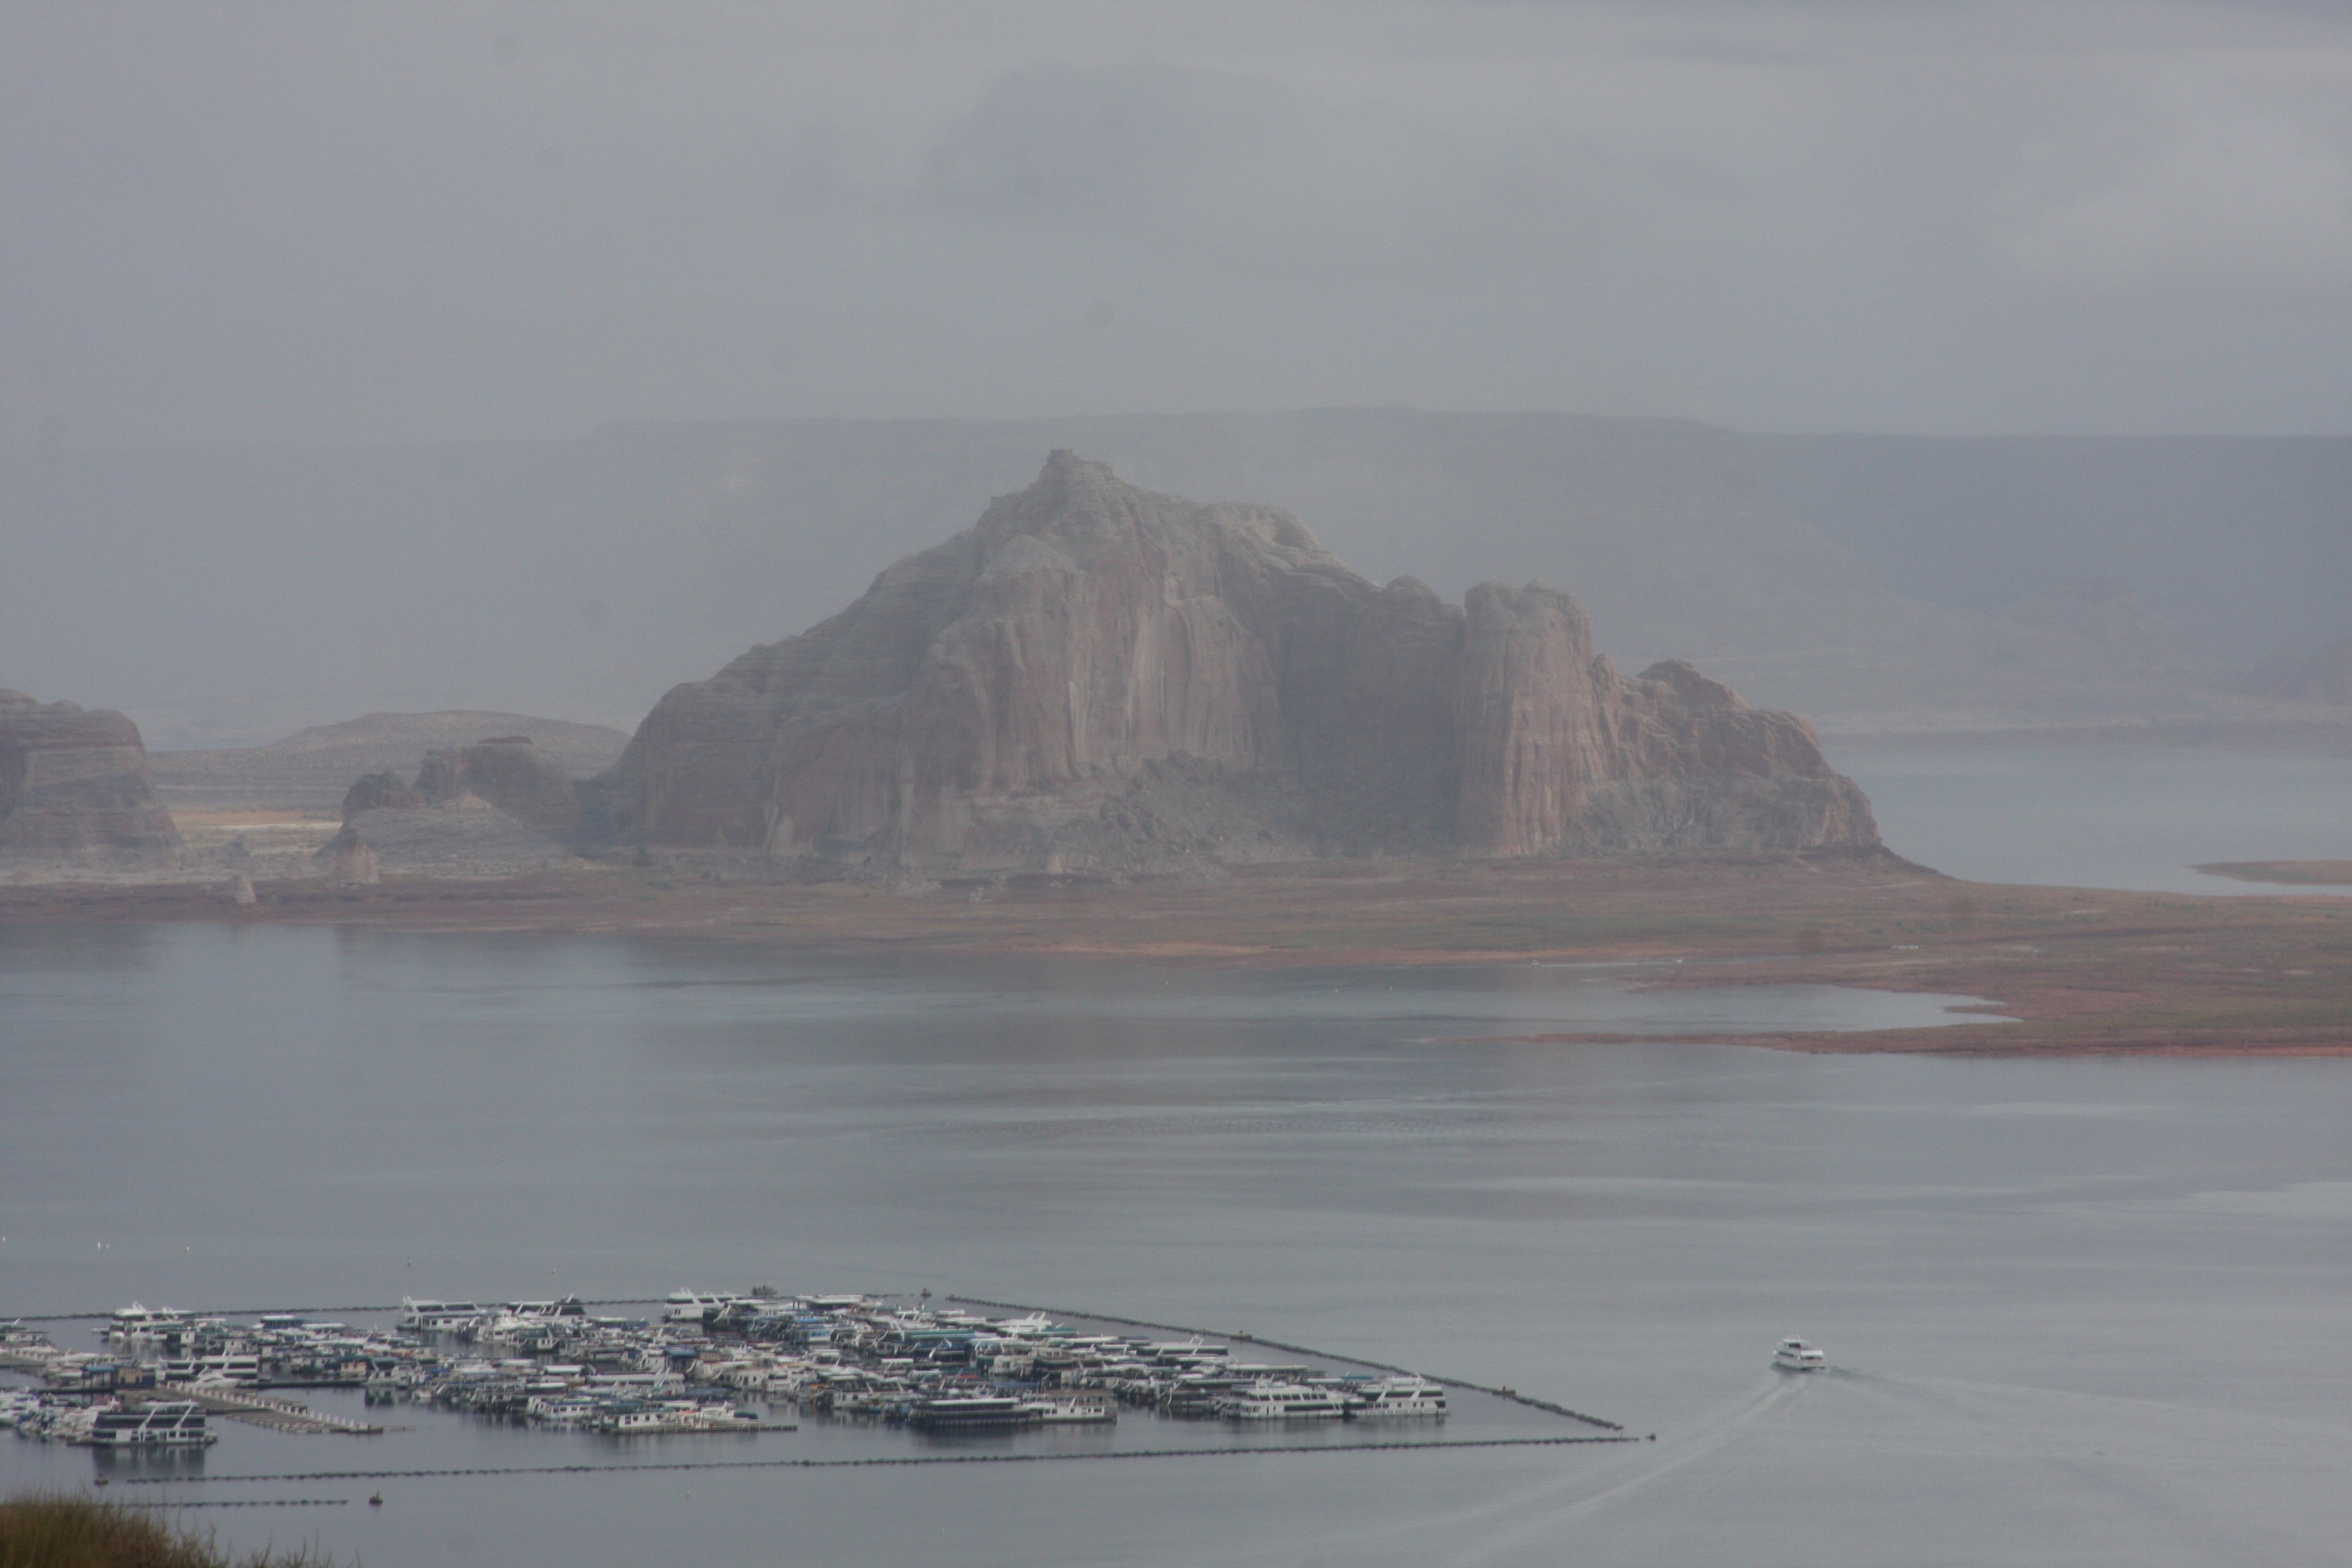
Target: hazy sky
351 223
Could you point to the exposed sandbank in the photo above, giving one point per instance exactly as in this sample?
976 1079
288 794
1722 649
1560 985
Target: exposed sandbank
2082 970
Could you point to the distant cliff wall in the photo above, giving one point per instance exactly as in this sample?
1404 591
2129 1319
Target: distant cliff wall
75 783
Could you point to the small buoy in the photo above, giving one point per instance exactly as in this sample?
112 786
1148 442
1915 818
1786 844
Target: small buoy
375 1500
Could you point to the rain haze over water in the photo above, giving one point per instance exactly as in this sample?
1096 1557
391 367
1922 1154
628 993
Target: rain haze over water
1970 378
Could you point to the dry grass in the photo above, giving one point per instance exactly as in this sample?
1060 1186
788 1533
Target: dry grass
59 1529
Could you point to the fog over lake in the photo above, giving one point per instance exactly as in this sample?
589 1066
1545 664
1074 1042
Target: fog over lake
1970 380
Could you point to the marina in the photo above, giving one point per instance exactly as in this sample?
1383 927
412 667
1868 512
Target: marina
698 1364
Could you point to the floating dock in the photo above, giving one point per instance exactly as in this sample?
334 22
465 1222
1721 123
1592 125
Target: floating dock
278 1414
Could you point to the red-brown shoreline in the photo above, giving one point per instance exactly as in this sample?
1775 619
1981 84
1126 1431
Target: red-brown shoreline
2085 971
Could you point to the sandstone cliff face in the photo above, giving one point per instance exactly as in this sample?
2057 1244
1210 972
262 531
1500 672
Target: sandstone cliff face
1092 664
75 783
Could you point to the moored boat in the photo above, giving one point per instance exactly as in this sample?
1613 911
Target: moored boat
432 1316
971 1413
160 1424
1282 1402
1059 1409
1390 1397
692 1306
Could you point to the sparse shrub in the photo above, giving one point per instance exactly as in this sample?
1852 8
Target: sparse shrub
59 1529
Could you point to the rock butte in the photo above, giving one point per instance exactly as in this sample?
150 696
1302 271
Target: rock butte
75 783
1098 678
495 805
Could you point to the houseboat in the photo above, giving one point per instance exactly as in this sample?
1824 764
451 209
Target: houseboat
163 1424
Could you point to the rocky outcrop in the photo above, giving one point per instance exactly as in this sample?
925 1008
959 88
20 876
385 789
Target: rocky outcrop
1094 674
382 792
507 773
495 805
351 858
313 767
75 784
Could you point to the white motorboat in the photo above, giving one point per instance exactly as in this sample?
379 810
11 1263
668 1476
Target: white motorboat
1282 1402
1796 1355
76 1425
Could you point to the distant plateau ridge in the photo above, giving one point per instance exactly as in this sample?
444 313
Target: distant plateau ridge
1879 584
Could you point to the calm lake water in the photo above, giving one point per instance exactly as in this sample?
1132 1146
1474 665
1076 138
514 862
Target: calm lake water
2082 1311
2115 817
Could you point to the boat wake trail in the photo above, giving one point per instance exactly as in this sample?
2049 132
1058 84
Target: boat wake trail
1540 1512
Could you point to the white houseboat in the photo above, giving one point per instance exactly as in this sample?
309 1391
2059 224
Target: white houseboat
165 1424
1282 1402
1395 1396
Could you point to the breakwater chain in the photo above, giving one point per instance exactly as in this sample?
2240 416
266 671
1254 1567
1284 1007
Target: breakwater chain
1513 1394
247 1502
885 1461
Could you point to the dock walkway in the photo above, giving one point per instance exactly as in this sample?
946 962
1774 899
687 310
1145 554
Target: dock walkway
278 1414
